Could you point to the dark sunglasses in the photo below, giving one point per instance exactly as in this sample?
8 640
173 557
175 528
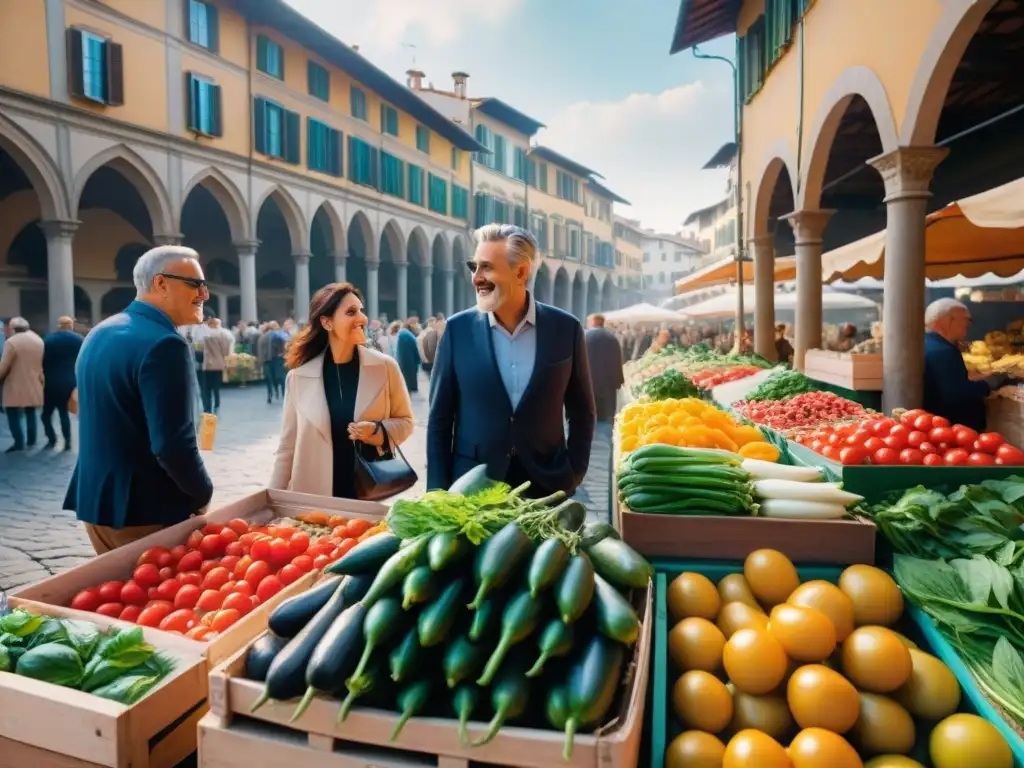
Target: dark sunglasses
192 282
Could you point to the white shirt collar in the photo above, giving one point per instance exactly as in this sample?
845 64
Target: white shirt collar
531 314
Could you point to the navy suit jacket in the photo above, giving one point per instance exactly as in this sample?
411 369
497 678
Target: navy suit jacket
471 417
60 351
948 390
138 457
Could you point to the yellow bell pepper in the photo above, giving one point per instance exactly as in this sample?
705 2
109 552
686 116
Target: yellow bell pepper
762 451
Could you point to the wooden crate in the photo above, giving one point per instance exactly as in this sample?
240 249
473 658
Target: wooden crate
231 736
257 508
843 369
48 726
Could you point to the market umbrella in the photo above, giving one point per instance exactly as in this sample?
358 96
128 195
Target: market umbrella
723 272
642 313
724 305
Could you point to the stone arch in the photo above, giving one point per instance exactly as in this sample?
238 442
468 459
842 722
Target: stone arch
608 293
335 224
38 167
293 218
140 175
579 294
395 238
593 295
562 292
227 194
952 34
854 81
418 250
779 157
361 226
441 251
543 284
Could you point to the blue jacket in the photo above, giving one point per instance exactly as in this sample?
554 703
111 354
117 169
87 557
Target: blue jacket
471 418
60 351
138 457
948 391
407 354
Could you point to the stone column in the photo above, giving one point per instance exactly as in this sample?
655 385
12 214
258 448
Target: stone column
448 276
96 294
907 173
372 300
301 287
764 295
427 308
402 289
808 227
247 278
222 308
60 267
340 262
172 238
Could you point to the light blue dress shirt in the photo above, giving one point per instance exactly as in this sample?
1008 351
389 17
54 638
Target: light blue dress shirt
516 352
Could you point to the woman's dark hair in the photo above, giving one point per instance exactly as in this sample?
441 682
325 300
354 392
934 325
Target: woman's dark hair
312 340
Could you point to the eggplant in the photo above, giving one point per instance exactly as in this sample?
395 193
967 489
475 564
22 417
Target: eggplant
289 617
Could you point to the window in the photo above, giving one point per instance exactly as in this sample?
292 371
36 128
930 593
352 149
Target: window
202 24
388 119
539 227
485 137
751 59
319 82
415 184
204 106
568 187
559 238
323 148
485 209
679 256
500 152
542 176
363 160
277 131
519 163
437 194
357 99
519 216
456 157
574 243
392 175
500 212
460 203
780 16
96 68
269 57
423 139
531 173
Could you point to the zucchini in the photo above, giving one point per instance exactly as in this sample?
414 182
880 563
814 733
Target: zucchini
360 685
546 565
436 619
261 654
620 564
464 701
335 656
286 676
462 661
383 621
485 618
593 681
411 701
616 618
498 559
556 707
447 548
554 640
595 532
396 568
474 481
509 698
418 587
367 556
518 621
290 616
575 588
405 657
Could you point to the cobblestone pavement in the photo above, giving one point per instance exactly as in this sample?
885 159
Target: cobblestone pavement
38 538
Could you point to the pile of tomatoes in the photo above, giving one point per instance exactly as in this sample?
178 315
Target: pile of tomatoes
916 438
805 410
222 572
710 378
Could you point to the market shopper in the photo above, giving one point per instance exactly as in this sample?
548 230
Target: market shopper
506 377
21 372
338 392
139 467
270 349
217 345
60 353
428 341
408 355
605 357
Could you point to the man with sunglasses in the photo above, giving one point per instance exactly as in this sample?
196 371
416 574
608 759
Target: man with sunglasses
507 377
139 467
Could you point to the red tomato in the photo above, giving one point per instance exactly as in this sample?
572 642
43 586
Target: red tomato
857 439
112 609
357 527
872 444
237 602
227 586
299 543
229 562
348 544
242 567
238 525
234 549
192 542
965 436
243 588
209 565
941 435
212 545
989 442
911 456
283 532
152 555
152 594
168 589
933 460
224 619
908 418
260 550
255 601
923 422
280 552
187 596
191 561
915 438
939 421
86 600
882 427
198 632
304 563
210 600
166 560
268 587
229 536
927 448
194 578
177 621
289 574
1009 455
247 539
131 613
110 591
212 529
981 459
836 439
133 594
885 456
900 429
216 578
147 575
817 445
178 552
167 572
955 457
326 545
897 440
322 561
256 572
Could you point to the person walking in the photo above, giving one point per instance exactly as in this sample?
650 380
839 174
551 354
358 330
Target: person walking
264 360
139 468
408 355
21 371
504 374
428 342
605 357
217 345
339 392
389 339
60 352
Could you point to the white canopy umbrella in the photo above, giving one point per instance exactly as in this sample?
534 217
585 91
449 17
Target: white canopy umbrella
986 280
642 313
725 304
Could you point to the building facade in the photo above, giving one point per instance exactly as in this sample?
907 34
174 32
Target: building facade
236 127
666 258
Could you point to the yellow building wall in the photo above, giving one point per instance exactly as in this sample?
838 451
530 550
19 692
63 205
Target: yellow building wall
24 65
233 40
600 228
235 105
552 205
18 211
152 13
145 67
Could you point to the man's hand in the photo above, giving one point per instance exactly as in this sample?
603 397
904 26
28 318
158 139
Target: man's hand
364 432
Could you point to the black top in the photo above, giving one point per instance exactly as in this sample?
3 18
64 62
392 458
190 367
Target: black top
341 381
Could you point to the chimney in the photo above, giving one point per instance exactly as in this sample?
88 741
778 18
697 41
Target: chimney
355 48
460 79
415 79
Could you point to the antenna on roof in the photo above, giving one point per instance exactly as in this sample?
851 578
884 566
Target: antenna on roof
413 47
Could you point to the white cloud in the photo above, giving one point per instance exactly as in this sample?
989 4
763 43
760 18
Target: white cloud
650 147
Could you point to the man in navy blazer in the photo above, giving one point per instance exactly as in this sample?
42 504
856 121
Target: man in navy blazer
60 353
506 377
139 467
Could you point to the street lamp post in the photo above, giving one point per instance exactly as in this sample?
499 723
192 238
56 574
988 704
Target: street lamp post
738 193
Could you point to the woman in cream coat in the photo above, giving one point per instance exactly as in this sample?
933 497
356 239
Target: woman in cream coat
338 391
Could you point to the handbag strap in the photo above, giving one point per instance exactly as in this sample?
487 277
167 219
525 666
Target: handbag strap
389 444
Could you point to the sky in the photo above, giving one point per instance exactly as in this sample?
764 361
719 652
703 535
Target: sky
597 73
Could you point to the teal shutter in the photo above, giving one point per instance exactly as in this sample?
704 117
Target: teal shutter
261 53
212 27
337 146
216 111
192 89
259 115
292 139
383 118
311 146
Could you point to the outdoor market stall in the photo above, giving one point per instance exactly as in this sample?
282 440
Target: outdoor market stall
724 272
642 314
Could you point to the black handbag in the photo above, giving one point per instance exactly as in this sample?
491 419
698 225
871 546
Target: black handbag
381 474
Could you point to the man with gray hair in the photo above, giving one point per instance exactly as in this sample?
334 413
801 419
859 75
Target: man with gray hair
21 373
506 377
948 390
139 468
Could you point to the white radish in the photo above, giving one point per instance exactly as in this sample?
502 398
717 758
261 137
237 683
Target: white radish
769 470
791 509
825 493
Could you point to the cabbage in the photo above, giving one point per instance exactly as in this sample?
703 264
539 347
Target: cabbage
52 663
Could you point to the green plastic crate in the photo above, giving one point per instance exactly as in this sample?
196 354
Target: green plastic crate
915 625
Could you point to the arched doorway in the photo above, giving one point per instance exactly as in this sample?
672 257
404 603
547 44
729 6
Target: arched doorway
392 250
326 243
542 285
608 294
440 288
417 257
462 288
579 295
281 234
563 290
593 295
360 250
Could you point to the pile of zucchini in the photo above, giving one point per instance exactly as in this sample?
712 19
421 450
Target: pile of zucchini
667 479
514 629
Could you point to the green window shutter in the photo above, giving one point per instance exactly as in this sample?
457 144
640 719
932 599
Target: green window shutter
76 70
337 146
311 145
353 158
212 26
259 115
261 53
292 139
115 73
217 108
192 100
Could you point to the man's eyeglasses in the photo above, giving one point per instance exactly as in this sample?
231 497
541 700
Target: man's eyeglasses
472 266
192 282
